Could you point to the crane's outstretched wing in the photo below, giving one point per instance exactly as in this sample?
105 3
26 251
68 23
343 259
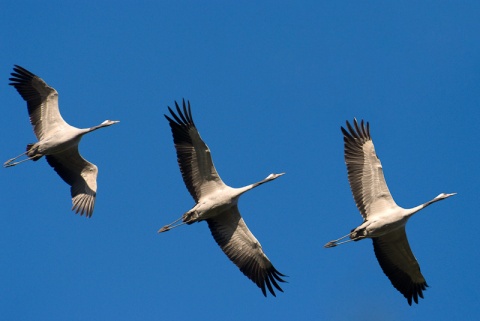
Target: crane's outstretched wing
193 155
80 174
365 172
399 264
42 101
242 248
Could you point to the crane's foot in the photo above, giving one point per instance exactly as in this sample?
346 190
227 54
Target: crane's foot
339 241
164 229
330 244
8 163
168 227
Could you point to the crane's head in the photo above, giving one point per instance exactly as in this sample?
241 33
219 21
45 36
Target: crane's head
443 196
109 122
273 176
440 197
104 124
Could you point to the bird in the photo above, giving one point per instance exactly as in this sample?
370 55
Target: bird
383 220
57 140
216 203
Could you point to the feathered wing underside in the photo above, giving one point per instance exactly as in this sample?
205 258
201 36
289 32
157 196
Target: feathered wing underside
42 101
365 172
193 155
81 175
399 264
242 248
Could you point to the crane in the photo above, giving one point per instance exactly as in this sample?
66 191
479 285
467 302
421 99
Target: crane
57 140
383 220
216 203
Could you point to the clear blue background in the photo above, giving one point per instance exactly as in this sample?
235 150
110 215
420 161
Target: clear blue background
270 83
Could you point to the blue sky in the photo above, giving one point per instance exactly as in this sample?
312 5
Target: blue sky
270 84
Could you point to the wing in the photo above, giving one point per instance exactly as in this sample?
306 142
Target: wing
81 175
193 155
365 172
399 265
242 248
42 101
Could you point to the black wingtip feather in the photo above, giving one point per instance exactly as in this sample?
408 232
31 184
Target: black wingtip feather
271 277
275 284
356 131
262 286
20 75
180 114
352 131
182 118
267 282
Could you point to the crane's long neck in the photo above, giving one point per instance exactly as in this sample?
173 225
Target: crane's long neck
104 124
414 210
91 129
411 211
269 178
431 202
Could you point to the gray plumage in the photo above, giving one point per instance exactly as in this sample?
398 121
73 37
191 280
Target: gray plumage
384 221
57 140
216 203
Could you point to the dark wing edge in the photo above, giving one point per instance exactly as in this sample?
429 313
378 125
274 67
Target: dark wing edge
180 126
22 80
193 155
399 264
242 248
81 175
354 139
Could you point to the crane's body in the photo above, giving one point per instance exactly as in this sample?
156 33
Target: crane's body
384 221
57 140
211 205
217 203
